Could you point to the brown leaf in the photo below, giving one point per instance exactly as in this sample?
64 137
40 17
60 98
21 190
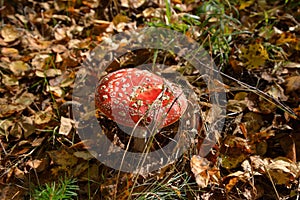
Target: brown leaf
288 145
43 117
9 33
283 171
292 65
19 68
86 155
11 52
236 150
132 3
9 80
56 90
66 126
254 55
40 61
63 158
19 173
119 18
293 84
253 122
202 171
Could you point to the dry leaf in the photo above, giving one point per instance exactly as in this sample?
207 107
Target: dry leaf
9 80
40 61
132 3
60 34
203 172
283 171
56 90
119 18
244 4
293 84
11 52
86 155
253 122
254 55
234 178
63 158
292 65
236 151
19 68
43 117
9 33
66 126
48 73
19 173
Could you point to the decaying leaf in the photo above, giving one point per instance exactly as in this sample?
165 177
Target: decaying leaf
119 18
19 67
66 126
234 178
282 171
11 52
236 150
48 73
86 155
132 3
255 55
292 65
8 80
38 165
244 4
203 172
293 84
286 37
40 61
62 158
253 122
56 90
43 117
18 105
9 33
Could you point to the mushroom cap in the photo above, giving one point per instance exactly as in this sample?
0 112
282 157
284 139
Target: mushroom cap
129 96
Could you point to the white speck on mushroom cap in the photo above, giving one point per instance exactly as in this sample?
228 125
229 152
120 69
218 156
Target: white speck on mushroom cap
136 94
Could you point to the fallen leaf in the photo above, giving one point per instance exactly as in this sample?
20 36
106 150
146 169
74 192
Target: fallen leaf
119 18
203 172
43 117
66 126
283 171
19 173
56 90
86 155
9 33
236 150
40 60
19 68
11 52
255 55
9 80
293 84
63 158
234 178
244 4
292 65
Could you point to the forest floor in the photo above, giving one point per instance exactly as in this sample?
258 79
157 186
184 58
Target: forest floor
255 46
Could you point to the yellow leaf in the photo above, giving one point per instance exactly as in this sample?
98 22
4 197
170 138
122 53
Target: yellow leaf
245 4
254 55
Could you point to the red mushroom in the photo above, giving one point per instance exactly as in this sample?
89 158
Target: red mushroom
130 96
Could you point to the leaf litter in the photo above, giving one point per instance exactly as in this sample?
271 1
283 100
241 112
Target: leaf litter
43 45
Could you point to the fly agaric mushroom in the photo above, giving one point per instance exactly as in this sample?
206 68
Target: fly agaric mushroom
130 96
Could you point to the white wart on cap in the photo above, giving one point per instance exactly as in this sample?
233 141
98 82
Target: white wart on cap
129 96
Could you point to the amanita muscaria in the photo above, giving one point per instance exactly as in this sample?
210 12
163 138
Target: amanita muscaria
130 96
